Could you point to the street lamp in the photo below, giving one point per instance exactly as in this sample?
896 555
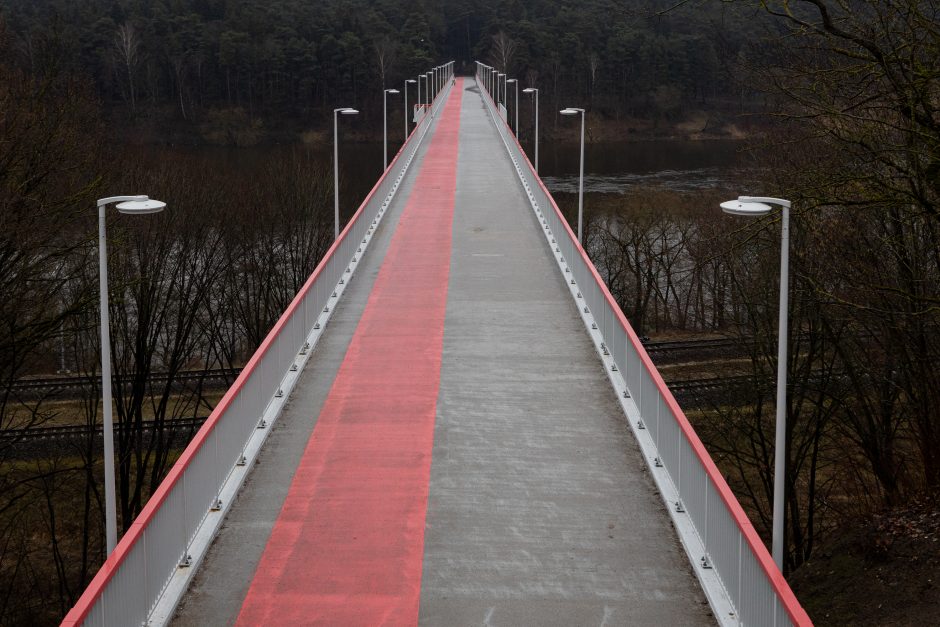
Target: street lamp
132 205
760 206
410 80
533 90
336 112
385 126
500 75
512 80
421 77
575 111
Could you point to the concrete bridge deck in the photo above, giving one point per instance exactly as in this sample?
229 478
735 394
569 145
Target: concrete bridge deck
454 453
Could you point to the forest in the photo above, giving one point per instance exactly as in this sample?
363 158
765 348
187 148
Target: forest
244 71
847 95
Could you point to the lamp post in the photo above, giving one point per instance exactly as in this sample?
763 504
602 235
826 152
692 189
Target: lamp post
512 80
429 84
760 206
336 112
410 80
385 126
533 90
575 111
499 90
133 205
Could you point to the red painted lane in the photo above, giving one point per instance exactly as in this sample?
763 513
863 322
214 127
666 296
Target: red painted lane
348 544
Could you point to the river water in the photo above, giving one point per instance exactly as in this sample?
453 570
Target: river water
610 167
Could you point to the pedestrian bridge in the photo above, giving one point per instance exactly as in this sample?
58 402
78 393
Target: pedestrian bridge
452 424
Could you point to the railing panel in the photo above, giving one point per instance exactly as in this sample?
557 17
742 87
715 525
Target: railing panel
750 581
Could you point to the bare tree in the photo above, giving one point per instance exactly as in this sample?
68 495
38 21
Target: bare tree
386 52
126 45
503 52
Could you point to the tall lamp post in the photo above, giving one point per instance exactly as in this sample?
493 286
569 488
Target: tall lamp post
429 84
500 75
385 126
133 205
336 112
420 99
512 80
575 111
533 90
410 80
760 206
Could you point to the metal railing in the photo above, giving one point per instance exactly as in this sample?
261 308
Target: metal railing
188 505
754 588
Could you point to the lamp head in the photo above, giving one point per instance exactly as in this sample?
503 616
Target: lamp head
529 90
349 111
411 80
141 207
738 208
569 111
391 91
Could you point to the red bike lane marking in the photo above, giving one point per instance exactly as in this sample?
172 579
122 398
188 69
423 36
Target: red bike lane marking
347 547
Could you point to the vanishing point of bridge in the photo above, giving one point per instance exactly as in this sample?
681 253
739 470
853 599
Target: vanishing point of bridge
476 437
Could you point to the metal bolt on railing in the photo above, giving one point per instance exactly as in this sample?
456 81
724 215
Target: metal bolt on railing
216 505
626 393
279 393
706 564
334 295
593 324
640 425
679 507
579 295
316 326
613 367
187 561
241 461
262 423
293 367
586 310
657 462
326 309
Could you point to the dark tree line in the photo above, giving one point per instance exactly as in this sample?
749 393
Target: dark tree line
225 61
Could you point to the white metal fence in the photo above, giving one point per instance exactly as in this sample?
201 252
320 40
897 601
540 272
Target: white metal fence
755 590
181 517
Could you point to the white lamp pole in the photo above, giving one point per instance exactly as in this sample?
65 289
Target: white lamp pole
410 80
759 206
499 90
512 80
139 205
533 90
385 94
420 99
575 111
336 112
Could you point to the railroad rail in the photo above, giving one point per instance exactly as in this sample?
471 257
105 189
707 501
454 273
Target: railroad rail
73 382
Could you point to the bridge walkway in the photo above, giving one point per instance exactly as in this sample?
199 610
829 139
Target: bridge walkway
454 453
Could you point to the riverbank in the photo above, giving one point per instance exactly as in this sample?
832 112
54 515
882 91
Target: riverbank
236 127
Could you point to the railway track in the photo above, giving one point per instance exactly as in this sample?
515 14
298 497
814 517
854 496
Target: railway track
60 384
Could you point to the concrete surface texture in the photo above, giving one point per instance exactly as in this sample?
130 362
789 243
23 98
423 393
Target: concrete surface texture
539 508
